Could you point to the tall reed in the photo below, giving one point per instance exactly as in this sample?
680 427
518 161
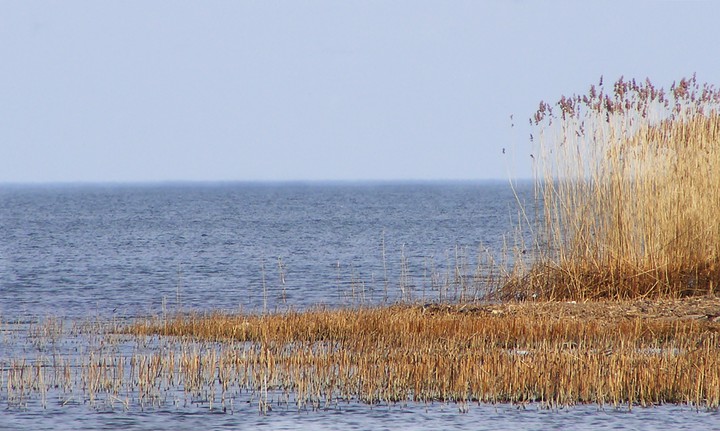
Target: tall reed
630 182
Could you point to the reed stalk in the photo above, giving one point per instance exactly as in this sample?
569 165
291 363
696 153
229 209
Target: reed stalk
630 186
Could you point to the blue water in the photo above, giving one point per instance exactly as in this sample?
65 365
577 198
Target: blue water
360 417
132 249
80 251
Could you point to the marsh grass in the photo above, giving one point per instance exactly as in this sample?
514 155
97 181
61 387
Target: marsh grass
616 353
555 354
629 178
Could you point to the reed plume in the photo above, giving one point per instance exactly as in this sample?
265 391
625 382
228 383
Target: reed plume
630 182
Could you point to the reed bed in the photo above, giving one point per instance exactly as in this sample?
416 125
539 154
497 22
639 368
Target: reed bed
630 187
556 354
618 353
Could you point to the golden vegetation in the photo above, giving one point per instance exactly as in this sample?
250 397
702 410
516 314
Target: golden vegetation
552 353
641 352
630 185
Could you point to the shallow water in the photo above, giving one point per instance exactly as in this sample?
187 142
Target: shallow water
355 416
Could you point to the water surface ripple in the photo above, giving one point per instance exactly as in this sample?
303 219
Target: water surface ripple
93 249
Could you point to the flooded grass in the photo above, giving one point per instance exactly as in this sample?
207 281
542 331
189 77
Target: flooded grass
516 353
633 353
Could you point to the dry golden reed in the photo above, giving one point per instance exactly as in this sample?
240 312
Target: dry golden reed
551 353
629 178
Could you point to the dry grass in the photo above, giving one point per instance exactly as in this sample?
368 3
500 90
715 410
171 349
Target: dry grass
635 353
630 184
639 352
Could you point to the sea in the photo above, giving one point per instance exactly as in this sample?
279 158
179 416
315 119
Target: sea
125 251
130 250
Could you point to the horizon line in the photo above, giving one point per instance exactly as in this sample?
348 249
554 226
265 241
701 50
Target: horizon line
259 182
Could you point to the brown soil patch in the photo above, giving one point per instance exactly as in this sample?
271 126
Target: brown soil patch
704 308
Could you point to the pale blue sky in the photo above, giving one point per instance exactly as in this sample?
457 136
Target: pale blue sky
314 90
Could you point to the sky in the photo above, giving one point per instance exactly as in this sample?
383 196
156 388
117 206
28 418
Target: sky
151 90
